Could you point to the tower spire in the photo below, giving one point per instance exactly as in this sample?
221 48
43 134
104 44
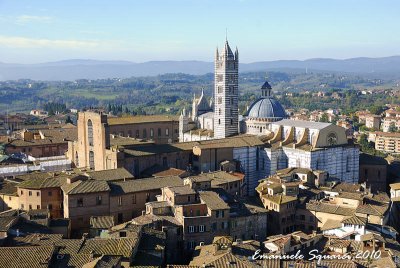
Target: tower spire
226 34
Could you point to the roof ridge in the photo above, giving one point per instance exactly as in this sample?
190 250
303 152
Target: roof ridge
373 207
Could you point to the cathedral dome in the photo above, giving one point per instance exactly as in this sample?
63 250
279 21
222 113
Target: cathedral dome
266 107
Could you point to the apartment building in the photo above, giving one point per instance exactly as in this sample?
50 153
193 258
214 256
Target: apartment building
387 142
373 121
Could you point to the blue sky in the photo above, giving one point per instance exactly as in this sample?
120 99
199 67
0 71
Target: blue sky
51 30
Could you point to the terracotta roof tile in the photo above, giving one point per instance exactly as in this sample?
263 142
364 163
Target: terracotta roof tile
101 222
26 257
88 186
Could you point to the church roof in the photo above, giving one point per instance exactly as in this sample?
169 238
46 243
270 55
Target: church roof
266 85
266 108
202 104
303 124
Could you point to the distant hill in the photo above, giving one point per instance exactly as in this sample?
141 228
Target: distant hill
94 69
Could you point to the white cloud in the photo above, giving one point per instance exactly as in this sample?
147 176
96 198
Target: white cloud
24 19
23 42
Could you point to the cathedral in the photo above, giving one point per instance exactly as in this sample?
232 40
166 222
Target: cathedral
288 143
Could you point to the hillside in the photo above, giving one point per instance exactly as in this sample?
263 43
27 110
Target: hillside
93 69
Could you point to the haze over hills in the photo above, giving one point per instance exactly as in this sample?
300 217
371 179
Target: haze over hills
96 69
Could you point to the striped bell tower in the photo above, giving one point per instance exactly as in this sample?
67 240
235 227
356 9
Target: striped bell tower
226 114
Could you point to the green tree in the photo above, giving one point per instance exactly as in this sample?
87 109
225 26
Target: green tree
392 127
324 118
376 109
68 120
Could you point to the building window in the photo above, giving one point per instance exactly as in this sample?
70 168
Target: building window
137 133
167 132
231 122
30 193
80 202
30 206
120 201
144 133
220 78
191 229
219 89
49 206
91 159
50 193
217 214
76 159
22 192
219 121
22 206
98 200
159 132
38 207
90 132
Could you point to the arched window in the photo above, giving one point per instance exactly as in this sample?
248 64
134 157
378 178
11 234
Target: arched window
76 159
91 159
90 132
151 133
